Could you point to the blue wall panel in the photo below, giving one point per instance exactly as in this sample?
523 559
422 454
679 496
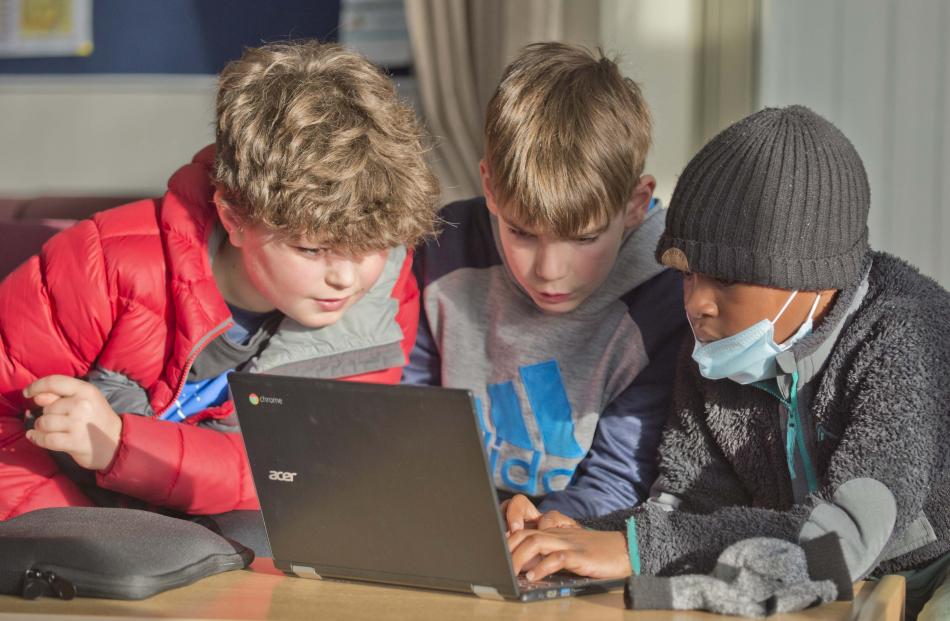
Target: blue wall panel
185 36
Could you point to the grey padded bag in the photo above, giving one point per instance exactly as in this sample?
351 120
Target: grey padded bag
106 552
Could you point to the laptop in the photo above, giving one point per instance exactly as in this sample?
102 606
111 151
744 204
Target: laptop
381 483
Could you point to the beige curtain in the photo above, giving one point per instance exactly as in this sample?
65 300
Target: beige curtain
460 48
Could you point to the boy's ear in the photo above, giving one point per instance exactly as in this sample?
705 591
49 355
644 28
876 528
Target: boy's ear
485 175
639 203
228 218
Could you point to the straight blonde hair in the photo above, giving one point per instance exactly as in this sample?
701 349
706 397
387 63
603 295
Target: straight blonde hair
566 137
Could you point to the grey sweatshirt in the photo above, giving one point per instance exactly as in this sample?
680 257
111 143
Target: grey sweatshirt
872 427
571 406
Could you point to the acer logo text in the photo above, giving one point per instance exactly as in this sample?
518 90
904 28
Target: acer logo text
277 475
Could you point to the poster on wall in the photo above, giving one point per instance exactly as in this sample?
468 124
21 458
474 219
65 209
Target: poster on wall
32 28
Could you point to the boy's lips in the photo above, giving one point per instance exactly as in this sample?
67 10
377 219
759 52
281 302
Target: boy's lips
704 337
331 304
553 297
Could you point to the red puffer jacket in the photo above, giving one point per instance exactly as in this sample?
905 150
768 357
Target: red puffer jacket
132 291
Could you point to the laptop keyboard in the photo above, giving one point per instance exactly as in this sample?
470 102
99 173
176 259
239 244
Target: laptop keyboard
553 581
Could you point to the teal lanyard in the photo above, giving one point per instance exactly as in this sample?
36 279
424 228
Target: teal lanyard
794 433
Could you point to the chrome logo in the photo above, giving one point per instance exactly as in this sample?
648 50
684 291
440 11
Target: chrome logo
253 398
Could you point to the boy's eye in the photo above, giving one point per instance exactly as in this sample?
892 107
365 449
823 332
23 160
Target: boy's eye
587 240
310 252
519 233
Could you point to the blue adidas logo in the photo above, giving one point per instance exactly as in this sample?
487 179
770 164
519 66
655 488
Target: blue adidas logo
544 387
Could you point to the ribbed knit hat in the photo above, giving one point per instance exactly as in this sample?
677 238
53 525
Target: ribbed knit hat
779 199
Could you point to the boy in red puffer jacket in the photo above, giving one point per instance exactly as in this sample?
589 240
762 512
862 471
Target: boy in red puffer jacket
282 249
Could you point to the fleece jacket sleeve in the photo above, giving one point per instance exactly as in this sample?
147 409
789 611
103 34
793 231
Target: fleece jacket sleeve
874 486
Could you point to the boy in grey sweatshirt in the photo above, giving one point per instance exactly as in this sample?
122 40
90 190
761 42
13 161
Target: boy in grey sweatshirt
543 297
811 400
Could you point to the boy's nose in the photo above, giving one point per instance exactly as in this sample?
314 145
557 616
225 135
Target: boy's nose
550 263
341 274
697 299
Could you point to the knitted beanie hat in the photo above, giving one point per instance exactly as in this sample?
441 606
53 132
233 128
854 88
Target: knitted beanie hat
778 199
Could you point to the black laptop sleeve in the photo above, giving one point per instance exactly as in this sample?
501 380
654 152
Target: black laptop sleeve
105 552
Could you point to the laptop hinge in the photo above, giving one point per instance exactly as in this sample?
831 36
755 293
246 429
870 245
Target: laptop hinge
303 571
486 592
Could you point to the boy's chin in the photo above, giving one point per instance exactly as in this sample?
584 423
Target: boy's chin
559 308
317 320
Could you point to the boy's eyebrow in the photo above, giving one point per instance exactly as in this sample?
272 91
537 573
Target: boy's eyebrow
601 229
516 225
302 238
533 231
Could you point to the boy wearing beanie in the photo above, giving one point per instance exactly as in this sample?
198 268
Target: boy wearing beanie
810 402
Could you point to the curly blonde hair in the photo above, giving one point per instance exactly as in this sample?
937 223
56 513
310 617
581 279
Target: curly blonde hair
312 141
566 138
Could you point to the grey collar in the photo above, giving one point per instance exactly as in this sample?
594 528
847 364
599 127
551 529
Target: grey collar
810 354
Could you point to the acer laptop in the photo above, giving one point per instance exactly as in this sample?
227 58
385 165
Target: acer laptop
380 483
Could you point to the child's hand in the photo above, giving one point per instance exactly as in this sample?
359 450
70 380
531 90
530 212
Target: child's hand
519 512
597 554
76 419
556 519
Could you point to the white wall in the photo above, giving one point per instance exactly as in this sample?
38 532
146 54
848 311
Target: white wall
127 134
658 41
115 135
119 135
879 70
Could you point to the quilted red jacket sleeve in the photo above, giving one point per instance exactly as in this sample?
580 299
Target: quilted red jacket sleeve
55 314
180 466
201 471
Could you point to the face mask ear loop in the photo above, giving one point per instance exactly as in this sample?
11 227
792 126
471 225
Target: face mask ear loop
787 302
814 307
811 313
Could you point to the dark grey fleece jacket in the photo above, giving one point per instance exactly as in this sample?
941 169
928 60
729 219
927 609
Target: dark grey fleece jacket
873 428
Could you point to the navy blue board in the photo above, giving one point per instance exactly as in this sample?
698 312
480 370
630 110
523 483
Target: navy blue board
185 36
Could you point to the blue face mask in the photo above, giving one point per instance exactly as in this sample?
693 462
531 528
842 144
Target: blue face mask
749 356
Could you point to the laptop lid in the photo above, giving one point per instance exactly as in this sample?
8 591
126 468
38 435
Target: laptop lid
374 482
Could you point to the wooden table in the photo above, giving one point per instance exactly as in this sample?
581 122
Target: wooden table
265 593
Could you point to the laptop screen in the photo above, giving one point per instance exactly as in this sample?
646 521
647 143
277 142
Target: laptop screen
373 482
